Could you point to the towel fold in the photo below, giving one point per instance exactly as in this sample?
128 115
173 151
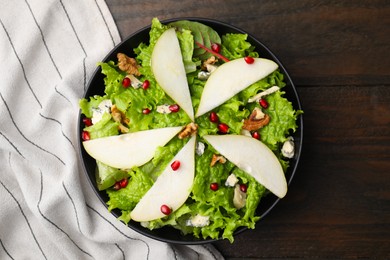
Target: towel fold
49 50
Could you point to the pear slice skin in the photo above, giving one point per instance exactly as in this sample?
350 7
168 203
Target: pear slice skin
168 68
128 150
253 157
171 188
230 78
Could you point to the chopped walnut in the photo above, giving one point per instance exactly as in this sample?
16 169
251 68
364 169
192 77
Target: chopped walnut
120 117
256 120
123 129
216 159
116 114
189 130
128 64
210 61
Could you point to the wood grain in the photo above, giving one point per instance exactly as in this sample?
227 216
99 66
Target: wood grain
337 52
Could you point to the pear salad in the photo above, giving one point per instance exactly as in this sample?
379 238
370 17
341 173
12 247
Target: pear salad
191 132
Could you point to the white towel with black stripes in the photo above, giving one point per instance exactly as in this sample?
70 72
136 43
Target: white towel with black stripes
48 52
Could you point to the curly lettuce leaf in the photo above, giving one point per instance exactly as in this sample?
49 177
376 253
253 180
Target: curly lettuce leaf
283 120
218 205
274 79
113 79
87 106
144 51
236 46
175 219
165 153
107 176
186 41
105 127
127 198
231 113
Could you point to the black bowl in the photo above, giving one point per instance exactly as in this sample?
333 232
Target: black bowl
96 87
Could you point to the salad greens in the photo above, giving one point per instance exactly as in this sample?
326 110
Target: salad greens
224 217
202 34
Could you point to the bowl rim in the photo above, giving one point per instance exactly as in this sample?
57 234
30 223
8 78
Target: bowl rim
299 131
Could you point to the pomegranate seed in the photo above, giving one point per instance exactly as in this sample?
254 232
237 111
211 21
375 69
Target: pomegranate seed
214 186
146 84
123 183
126 82
216 47
85 136
165 209
146 111
223 128
263 103
175 165
256 135
87 121
117 186
243 187
249 60
214 117
174 108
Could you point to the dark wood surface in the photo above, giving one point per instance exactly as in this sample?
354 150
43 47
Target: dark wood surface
338 54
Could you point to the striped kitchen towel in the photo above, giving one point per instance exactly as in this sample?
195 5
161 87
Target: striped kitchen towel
49 50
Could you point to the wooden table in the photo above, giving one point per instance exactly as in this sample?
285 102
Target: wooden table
338 54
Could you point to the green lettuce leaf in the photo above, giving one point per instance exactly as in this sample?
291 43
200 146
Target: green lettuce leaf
144 51
175 219
236 46
274 79
202 33
113 79
107 176
105 127
127 198
87 106
218 205
165 153
282 123
186 42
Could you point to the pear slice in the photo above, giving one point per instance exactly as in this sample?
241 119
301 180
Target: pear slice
253 157
128 150
171 188
230 78
168 69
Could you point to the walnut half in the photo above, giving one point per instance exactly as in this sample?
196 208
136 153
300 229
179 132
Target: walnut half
189 130
128 64
216 159
120 117
256 120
